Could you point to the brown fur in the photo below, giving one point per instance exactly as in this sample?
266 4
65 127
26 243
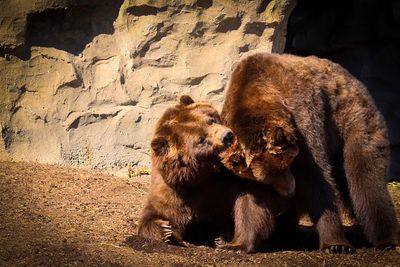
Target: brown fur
326 116
192 197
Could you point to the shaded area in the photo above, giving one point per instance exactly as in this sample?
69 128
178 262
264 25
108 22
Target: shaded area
362 36
263 6
256 28
145 10
204 3
56 216
22 52
228 24
72 28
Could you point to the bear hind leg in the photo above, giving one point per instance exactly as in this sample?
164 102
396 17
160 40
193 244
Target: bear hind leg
316 196
366 164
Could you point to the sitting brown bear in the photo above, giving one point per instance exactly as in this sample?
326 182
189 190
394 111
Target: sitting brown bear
307 124
192 197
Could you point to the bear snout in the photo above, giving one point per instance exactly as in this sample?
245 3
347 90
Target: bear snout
227 138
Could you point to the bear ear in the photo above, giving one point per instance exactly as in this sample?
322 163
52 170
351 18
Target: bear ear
186 100
160 146
282 142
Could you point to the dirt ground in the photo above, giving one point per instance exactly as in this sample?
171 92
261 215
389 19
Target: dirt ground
58 216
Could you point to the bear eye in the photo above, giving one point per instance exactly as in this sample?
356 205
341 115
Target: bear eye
201 140
211 121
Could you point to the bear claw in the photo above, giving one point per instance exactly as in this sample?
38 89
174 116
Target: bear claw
166 232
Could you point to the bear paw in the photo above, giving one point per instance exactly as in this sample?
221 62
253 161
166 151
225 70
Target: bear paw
219 241
339 249
221 244
230 246
168 236
385 247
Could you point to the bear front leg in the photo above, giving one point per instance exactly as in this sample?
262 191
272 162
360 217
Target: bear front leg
254 223
366 166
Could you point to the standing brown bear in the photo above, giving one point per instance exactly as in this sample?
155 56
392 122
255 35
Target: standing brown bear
192 197
307 125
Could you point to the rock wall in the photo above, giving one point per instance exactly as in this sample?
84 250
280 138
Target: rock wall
82 82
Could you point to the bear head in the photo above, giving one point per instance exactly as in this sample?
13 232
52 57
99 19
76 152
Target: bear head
264 156
186 143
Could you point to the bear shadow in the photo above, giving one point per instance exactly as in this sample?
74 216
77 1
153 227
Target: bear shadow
306 239
303 239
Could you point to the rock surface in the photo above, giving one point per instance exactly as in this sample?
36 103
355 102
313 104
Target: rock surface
83 82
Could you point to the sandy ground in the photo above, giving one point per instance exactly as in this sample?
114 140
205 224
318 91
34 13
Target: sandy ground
58 216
